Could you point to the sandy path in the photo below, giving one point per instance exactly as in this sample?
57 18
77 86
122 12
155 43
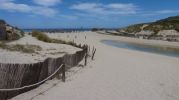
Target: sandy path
118 74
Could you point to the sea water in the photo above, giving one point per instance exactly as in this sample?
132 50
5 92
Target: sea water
144 48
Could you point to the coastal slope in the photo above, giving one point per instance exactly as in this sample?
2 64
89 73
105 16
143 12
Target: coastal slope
155 28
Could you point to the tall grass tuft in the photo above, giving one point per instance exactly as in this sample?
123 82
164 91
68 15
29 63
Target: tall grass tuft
41 36
21 48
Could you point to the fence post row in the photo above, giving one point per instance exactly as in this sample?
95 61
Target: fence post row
61 70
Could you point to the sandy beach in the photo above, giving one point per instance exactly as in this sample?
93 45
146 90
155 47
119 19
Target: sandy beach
115 74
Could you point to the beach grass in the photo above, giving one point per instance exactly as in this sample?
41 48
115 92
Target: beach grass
43 37
21 48
40 36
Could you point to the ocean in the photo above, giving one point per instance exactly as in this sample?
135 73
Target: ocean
59 30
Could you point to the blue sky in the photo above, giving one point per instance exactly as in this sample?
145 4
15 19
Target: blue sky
84 13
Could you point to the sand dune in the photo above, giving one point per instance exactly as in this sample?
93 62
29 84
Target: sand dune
49 50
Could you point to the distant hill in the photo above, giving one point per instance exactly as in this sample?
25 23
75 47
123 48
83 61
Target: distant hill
174 18
8 32
170 23
2 22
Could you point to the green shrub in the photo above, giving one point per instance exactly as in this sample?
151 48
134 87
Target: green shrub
2 45
133 28
177 27
25 48
21 48
41 36
94 29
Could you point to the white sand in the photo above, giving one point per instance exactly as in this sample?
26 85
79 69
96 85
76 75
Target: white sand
116 74
49 50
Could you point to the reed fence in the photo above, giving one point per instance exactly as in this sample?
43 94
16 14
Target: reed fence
19 78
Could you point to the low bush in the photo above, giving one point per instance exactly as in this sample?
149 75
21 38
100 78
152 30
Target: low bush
94 29
21 48
2 45
41 36
25 48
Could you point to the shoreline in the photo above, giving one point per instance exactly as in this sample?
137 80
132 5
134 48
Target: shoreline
145 41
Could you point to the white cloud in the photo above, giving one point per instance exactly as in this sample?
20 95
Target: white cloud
85 6
124 7
49 12
97 8
15 7
9 5
70 17
47 2
159 12
167 11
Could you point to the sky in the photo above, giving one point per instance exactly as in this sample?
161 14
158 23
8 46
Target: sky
85 13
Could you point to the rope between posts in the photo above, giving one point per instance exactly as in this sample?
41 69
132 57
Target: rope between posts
33 85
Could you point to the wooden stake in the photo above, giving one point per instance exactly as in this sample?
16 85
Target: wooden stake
86 56
63 73
93 54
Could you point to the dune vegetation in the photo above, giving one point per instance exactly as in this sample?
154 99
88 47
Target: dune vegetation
171 23
20 48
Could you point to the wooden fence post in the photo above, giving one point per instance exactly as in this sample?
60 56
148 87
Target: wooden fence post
86 55
89 50
63 73
93 53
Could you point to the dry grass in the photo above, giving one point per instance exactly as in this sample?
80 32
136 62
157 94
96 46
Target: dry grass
40 36
43 37
21 48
